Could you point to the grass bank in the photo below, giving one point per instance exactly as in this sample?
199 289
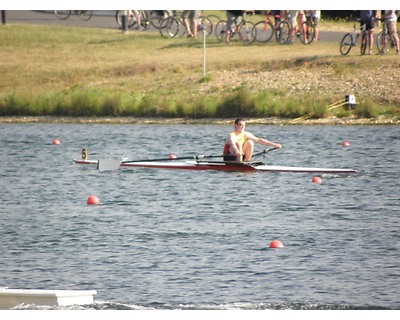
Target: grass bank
75 72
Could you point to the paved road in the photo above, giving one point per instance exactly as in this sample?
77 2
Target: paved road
104 19
100 19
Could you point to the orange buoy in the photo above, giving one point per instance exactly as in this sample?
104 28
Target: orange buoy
172 156
56 141
345 144
316 180
276 244
93 200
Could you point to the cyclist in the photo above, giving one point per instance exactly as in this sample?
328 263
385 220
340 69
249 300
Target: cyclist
295 18
367 19
232 17
134 14
390 18
316 16
193 15
277 17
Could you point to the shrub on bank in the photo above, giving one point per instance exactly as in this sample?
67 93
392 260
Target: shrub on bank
94 103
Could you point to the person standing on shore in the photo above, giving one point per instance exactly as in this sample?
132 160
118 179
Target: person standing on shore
367 19
390 18
316 16
239 144
193 15
232 17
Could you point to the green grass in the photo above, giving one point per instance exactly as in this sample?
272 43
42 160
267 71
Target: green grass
70 71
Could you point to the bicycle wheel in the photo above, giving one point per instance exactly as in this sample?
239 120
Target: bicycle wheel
383 42
263 31
169 27
213 18
156 18
206 25
181 27
307 32
346 44
131 18
283 32
62 14
85 15
245 32
364 41
220 30
144 20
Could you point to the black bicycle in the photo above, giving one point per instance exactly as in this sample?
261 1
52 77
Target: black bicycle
307 31
136 18
85 15
156 17
385 41
241 27
173 26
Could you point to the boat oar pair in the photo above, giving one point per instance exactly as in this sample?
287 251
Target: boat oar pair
112 164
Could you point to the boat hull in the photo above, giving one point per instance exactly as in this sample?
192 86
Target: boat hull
220 166
10 298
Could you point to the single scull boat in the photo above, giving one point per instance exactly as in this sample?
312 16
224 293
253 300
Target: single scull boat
199 163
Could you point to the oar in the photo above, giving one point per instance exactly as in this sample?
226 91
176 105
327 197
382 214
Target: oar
110 164
264 152
306 116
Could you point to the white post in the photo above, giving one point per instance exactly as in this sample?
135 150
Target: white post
204 52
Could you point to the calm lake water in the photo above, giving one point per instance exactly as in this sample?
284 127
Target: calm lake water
170 239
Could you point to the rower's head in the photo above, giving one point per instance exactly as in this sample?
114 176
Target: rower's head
240 123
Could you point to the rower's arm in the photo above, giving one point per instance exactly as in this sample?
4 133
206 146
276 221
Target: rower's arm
262 141
269 143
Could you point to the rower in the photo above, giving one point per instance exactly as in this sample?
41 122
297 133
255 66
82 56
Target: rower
239 144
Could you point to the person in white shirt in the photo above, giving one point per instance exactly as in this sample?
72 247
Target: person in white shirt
390 18
316 16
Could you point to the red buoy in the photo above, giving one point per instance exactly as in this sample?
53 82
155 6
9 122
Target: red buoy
93 200
345 144
275 244
316 180
56 141
172 156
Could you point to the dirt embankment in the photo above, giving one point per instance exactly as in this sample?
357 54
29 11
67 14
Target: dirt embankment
266 121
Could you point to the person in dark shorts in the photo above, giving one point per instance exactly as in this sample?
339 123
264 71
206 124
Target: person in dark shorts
231 17
367 18
193 15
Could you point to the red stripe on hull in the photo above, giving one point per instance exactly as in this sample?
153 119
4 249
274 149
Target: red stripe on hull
199 167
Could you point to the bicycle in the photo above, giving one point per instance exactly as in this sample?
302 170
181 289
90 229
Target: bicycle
156 17
85 15
385 40
263 31
242 28
350 39
133 17
307 31
173 26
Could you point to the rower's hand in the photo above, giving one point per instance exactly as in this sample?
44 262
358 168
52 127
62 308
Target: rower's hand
238 153
278 146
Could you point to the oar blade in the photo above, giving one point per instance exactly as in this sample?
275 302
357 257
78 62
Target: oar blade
108 164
